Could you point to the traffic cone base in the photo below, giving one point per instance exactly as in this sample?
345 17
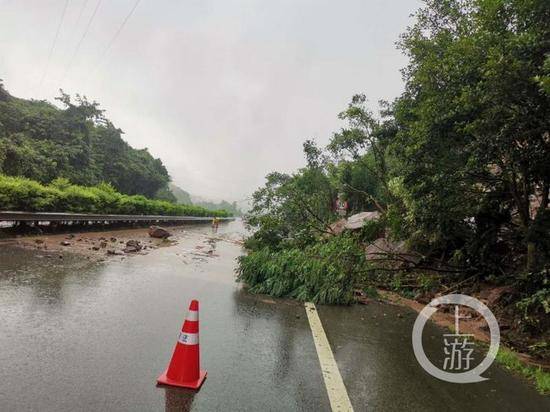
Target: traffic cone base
184 367
165 380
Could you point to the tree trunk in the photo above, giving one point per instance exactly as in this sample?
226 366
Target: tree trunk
531 257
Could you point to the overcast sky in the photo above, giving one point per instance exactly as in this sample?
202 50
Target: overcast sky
222 91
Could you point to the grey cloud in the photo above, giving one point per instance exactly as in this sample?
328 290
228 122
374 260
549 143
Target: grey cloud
222 91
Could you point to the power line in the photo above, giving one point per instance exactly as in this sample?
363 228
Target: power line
75 28
80 13
113 39
77 48
54 43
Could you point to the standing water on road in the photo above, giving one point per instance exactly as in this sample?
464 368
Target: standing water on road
77 335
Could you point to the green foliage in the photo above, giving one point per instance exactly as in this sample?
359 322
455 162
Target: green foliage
535 303
457 165
539 233
293 208
371 292
427 282
41 142
511 361
363 161
18 193
473 127
164 193
322 273
372 230
543 79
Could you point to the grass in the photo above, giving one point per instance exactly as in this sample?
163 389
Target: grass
511 361
371 292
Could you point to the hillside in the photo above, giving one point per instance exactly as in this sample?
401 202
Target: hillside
42 142
185 198
181 195
222 205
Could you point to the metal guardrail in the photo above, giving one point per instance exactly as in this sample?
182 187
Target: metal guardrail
10 216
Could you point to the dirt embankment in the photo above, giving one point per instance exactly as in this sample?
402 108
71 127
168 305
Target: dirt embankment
120 243
95 246
472 322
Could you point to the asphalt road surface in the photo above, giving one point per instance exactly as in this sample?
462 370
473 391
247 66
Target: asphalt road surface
94 337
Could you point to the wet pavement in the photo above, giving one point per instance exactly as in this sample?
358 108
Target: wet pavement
76 335
373 350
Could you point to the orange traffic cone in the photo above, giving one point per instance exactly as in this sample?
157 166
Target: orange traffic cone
184 368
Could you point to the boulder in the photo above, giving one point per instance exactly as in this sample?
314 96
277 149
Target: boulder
338 226
393 253
114 252
133 243
354 222
65 243
357 221
159 232
132 246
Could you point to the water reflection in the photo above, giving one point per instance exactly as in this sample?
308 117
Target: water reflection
281 322
178 399
42 278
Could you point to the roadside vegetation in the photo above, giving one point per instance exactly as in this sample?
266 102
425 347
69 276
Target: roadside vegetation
42 142
456 167
17 193
321 272
512 362
52 146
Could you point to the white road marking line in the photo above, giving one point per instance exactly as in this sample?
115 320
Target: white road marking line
337 393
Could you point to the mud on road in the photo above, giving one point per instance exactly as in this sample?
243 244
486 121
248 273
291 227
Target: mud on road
77 334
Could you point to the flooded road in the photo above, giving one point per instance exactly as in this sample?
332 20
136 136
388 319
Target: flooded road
76 335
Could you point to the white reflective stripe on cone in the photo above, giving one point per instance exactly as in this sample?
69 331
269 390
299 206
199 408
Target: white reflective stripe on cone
188 338
192 315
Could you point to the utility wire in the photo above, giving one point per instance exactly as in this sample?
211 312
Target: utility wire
53 44
77 48
75 27
113 39
80 13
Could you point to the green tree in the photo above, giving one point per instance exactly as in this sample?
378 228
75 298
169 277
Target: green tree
361 152
295 208
40 141
473 122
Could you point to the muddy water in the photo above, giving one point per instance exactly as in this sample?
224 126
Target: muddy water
76 335
82 336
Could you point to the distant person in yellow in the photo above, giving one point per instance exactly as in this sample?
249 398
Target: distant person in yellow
215 224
